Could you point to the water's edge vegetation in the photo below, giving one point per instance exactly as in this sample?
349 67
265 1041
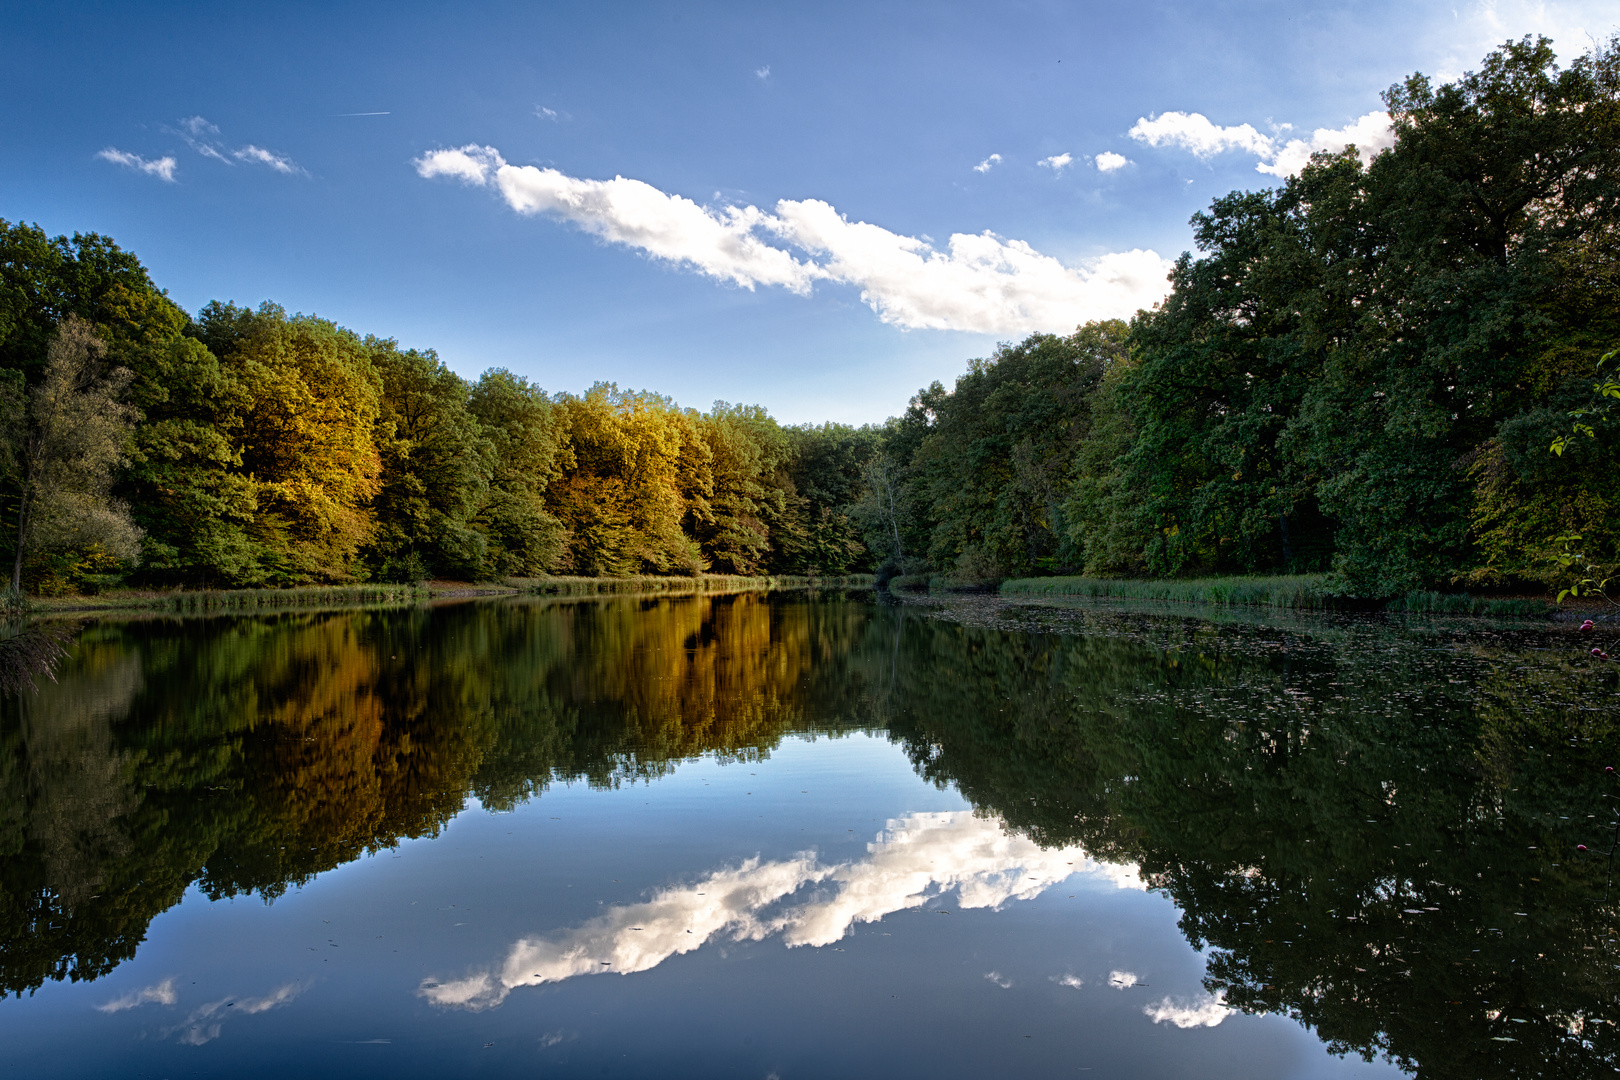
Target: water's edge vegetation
322 597
1312 592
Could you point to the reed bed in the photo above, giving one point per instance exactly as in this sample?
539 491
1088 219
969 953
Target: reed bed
591 586
301 596
1307 591
1313 592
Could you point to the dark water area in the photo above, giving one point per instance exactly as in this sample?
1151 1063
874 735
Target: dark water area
807 835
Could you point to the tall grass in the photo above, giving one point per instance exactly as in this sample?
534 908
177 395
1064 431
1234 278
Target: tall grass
1307 591
1290 591
303 596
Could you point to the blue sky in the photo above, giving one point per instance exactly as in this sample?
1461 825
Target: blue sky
449 174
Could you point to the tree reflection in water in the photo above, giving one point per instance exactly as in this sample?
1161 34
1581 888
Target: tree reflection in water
1372 828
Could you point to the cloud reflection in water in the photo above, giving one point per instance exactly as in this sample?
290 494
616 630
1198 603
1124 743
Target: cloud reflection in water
205 1021
916 859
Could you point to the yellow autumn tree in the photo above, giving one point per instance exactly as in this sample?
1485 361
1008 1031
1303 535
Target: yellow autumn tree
628 459
305 427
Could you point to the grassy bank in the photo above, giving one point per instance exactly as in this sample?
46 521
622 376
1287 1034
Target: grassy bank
1300 591
316 596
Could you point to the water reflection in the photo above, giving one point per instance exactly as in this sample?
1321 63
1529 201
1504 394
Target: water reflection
914 862
1370 828
204 1023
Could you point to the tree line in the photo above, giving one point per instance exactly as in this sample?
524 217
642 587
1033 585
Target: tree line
1362 371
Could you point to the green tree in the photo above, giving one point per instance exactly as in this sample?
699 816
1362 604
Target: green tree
1323 377
436 465
822 483
73 436
997 461
732 517
523 430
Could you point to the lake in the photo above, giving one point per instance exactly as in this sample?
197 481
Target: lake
808 834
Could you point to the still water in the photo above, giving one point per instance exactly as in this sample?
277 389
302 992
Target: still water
810 835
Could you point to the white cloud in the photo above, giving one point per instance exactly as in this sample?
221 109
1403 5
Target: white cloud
988 163
764 72
1123 980
913 863
1073 982
470 164
999 979
544 113
159 993
162 168
1195 132
1368 135
1056 162
1108 161
982 283
1207 1011
259 155
205 1021
721 243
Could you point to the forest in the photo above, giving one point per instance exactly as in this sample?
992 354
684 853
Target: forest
1364 371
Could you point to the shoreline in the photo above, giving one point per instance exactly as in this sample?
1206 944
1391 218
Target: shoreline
195 601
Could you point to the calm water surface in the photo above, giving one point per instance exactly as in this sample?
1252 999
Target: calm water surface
800 835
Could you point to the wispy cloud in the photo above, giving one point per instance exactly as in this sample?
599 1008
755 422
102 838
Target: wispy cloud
764 72
260 156
203 136
988 163
915 861
1196 133
545 112
1073 982
1108 161
1206 1011
1057 162
163 168
157 994
1123 980
383 113
981 283
999 979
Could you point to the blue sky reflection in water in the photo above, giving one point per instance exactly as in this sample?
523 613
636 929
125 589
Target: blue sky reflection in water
808 836
816 883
